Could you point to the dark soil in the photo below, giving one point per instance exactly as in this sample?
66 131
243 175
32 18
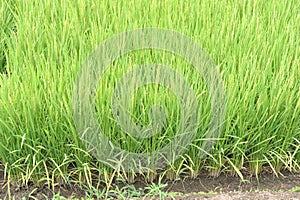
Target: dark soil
229 187
203 187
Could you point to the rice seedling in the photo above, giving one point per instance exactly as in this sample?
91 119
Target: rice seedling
255 45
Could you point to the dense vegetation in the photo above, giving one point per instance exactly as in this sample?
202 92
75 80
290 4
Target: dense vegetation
255 45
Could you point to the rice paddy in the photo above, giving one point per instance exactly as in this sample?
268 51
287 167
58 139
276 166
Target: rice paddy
43 44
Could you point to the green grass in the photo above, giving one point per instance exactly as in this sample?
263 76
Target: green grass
295 189
255 45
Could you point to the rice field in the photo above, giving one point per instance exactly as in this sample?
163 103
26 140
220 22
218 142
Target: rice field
43 45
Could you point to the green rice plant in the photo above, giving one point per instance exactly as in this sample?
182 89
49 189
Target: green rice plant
7 13
254 44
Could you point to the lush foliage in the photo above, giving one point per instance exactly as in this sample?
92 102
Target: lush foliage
255 45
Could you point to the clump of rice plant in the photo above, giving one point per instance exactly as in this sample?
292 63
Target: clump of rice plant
254 44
